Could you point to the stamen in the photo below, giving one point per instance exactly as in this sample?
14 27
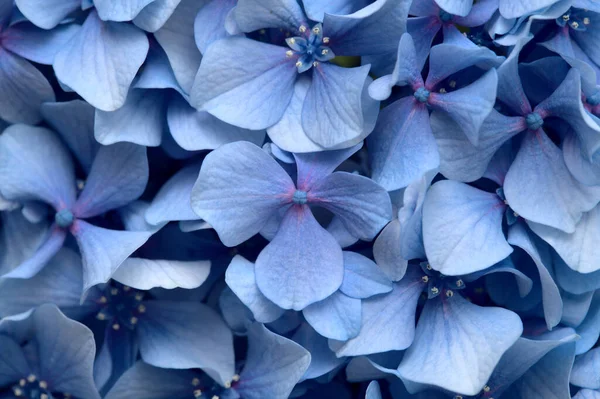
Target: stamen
435 290
139 296
197 393
235 378
429 267
17 391
133 320
126 288
324 52
227 384
141 308
292 40
442 90
565 17
22 382
43 384
325 40
195 381
449 293
302 29
316 64
103 299
425 279
575 25
459 283
289 53
116 326
299 64
586 21
31 378
452 84
316 30
486 388
114 291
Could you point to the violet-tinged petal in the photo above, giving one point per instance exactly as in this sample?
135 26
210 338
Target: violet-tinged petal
172 202
184 335
362 277
176 37
34 165
239 188
144 274
24 89
47 13
540 188
388 321
469 106
104 250
456 7
336 317
339 91
209 25
274 364
35 44
315 166
423 30
302 265
474 338
462 228
155 15
118 176
251 15
585 171
198 130
74 121
240 277
363 206
402 147
244 82
98 48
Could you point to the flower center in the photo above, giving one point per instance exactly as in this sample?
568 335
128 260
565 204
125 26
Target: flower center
64 218
309 50
577 19
32 388
122 306
534 121
300 197
445 16
438 283
422 94
204 387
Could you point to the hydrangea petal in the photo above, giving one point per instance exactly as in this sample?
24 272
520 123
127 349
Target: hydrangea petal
373 391
120 10
518 8
363 206
402 147
239 187
388 321
456 7
316 10
474 338
337 317
13 364
209 25
138 121
240 277
34 165
47 13
38 45
144 274
155 15
585 171
584 370
251 15
104 250
294 273
315 166
119 175
274 364
587 394
185 335
539 187
322 359
99 47
20 239
244 82
362 277
198 130
387 251
510 88
462 228
572 281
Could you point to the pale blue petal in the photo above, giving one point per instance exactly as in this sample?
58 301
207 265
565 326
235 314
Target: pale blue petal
302 265
316 9
241 279
97 51
575 307
387 251
462 228
373 391
198 130
362 277
589 330
473 338
184 335
251 15
144 274
119 10
587 394
23 88
13 363
118 176
104 250
337 316
38 45
323 360
34 165
402 147
154 15
274 364
237 198
244 82
584 170
209 25
510 88
456 7
572 281
584 373
518 8
315 166
47 13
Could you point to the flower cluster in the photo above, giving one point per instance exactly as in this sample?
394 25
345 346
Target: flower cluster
271 199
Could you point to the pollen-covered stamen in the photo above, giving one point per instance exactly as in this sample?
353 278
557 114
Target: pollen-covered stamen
64 218
575 18
422 94
300 197
204 387
32 388
534 121
310 51
122 306
438 283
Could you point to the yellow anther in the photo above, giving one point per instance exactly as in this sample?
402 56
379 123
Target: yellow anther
565 17
195 381
316 30
235 378
101 316
435 290
103 299
139 296
486 388
292 41
116 326
197 393
302 29
459 283
586 21
299 64
575 25
428 267
316 64
22 382
31 378
141 308
126 288
227 384
43 384
442 90
324 51
289 53
133 320
325 40
114 291
452 84
17 391
425 279
449 293
44 396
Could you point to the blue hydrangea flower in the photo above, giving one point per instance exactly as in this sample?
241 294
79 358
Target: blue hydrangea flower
236 71
37 167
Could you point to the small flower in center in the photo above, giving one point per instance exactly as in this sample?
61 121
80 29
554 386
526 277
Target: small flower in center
445 16
299 197
534 121
310 51
64 218
422 94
